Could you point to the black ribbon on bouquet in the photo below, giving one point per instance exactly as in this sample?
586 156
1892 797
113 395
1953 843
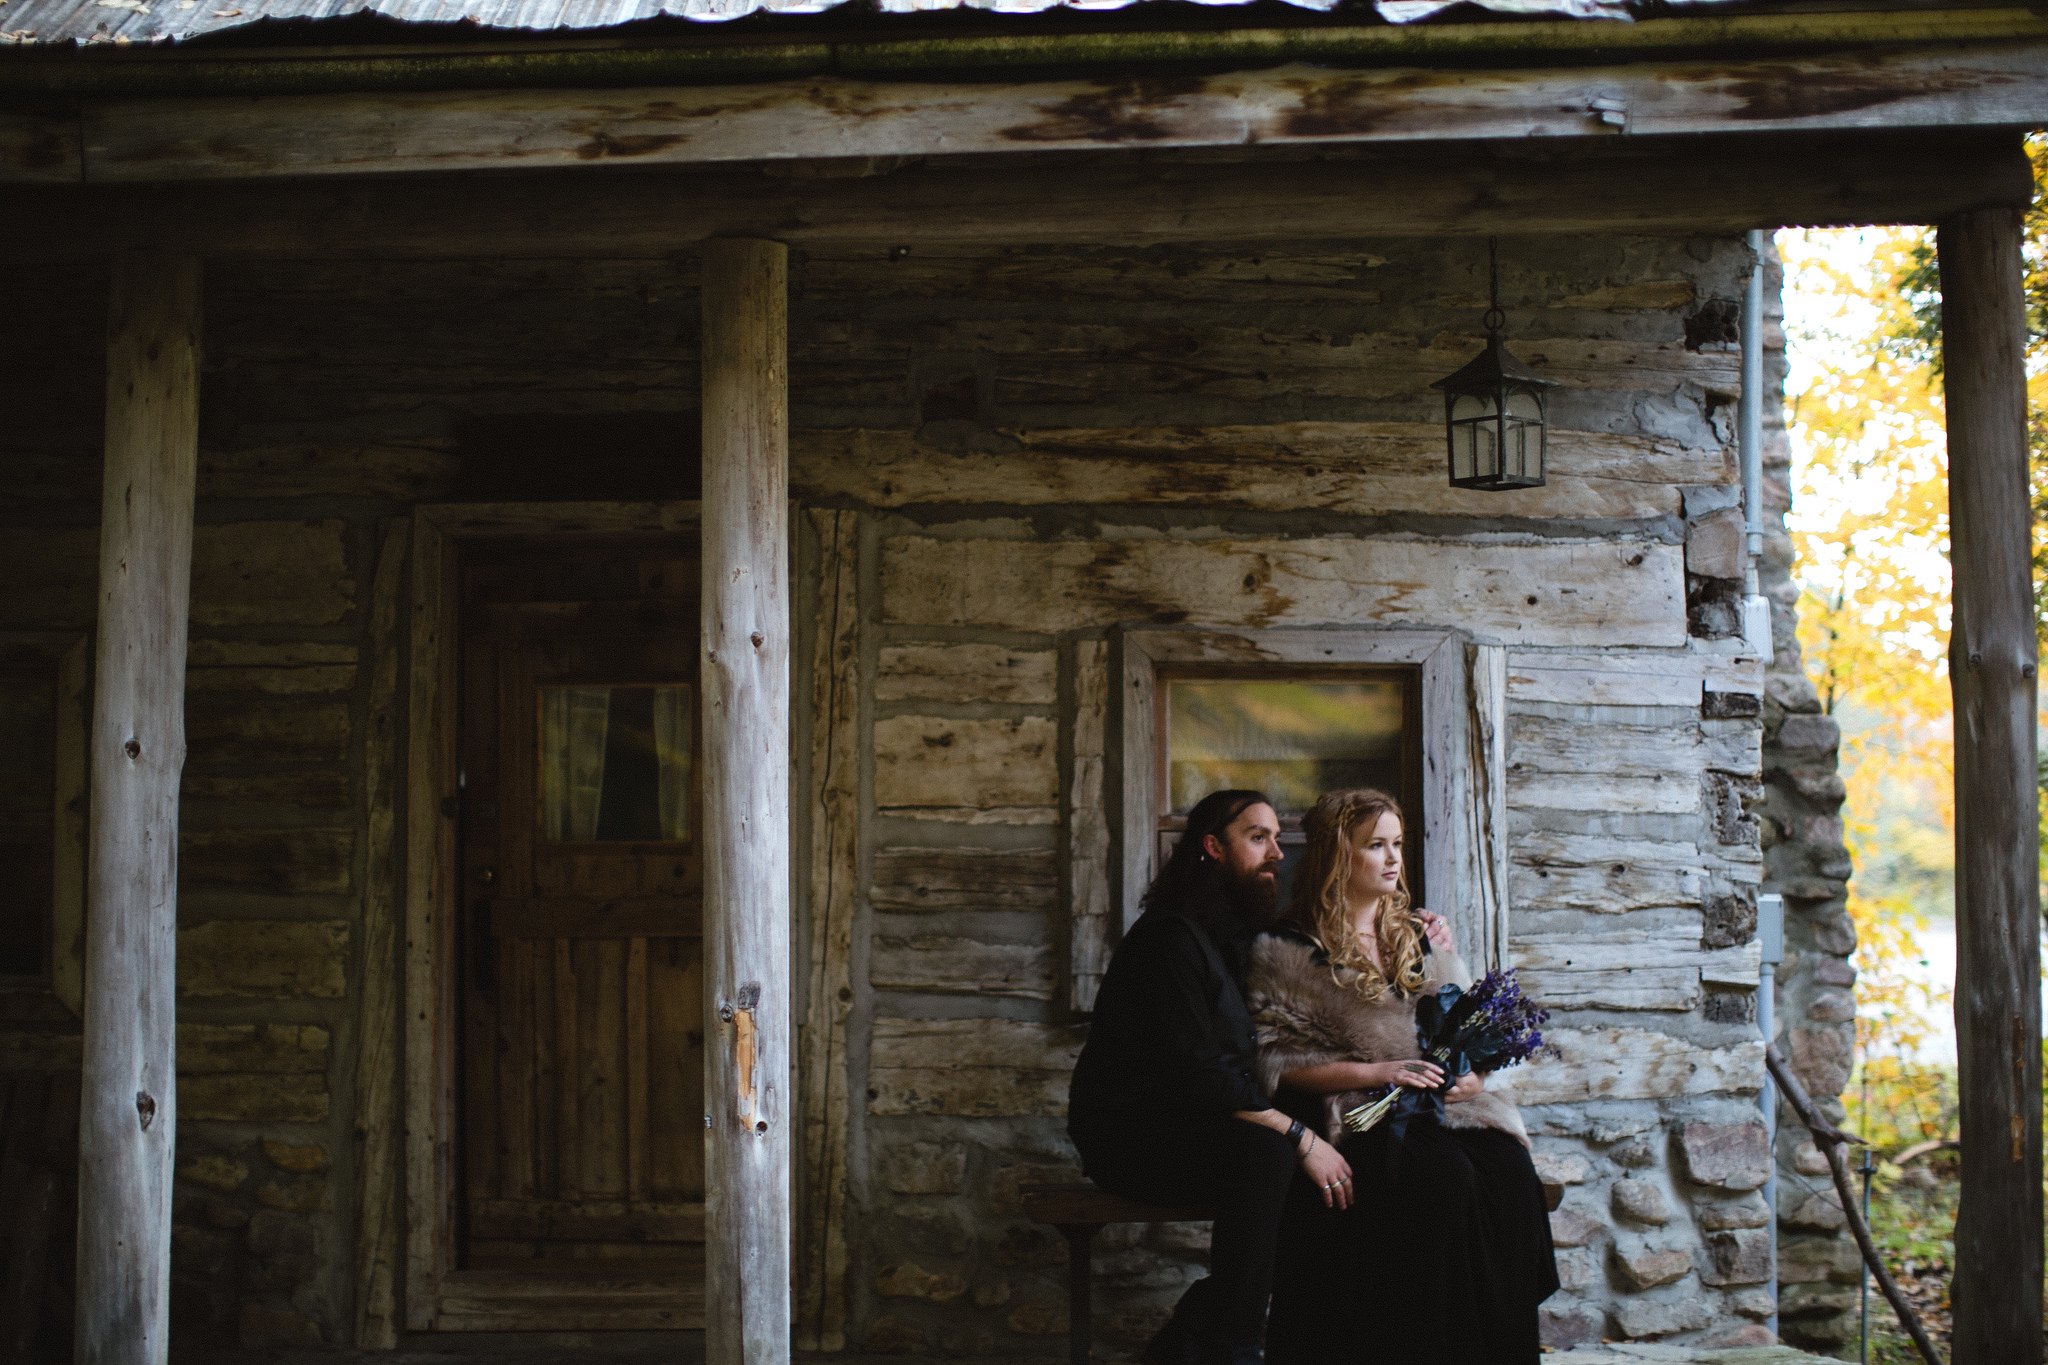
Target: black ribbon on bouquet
1448 1035
1412 1104
1439 1019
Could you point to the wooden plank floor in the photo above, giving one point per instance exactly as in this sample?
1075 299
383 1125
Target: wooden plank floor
687 1348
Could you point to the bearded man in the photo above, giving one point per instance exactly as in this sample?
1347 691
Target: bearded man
1165 1108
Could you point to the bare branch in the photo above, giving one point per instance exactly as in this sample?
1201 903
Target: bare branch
1831 1140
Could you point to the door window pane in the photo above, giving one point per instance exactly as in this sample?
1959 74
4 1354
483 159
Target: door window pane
615 764
1291 740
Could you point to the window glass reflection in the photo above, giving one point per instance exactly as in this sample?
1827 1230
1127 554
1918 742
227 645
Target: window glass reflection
615 764
1291 740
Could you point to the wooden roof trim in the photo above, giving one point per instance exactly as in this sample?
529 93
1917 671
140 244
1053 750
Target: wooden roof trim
1985 86
109 72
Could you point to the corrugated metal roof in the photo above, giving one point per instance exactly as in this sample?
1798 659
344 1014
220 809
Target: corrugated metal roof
171 21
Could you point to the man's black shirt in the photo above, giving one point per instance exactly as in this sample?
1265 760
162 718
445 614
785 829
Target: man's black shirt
1171 1032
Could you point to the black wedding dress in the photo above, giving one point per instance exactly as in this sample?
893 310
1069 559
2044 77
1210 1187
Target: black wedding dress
1441 1260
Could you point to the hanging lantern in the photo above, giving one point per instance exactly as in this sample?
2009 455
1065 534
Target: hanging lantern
1494 411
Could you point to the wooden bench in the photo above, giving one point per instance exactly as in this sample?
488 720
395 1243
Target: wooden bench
1080 1211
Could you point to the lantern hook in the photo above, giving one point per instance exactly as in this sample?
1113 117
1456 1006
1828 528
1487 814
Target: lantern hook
1494 319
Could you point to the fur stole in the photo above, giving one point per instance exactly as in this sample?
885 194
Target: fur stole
1303 1018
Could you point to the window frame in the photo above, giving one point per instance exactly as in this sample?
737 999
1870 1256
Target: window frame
1462 729
68 657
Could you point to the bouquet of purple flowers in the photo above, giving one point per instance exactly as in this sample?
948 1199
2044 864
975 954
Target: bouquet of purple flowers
1491 1026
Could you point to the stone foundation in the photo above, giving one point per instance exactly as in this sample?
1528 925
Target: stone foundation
1806 862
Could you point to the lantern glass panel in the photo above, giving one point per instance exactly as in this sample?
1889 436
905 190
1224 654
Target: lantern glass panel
1474 433
1522 431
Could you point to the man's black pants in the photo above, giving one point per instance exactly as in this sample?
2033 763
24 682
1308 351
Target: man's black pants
1240 1169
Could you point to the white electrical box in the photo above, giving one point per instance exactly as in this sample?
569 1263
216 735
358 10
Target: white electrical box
1770 927
1756 626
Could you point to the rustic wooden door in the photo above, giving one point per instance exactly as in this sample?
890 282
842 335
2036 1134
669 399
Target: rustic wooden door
582 1064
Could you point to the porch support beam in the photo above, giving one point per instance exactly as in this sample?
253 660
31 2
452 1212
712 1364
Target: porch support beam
745 672
1992 664
129 1111
1723 184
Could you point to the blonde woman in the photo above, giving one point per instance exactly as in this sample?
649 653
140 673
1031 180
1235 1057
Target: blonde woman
1439 1251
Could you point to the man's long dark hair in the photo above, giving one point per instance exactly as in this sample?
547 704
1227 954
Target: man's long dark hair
1191 880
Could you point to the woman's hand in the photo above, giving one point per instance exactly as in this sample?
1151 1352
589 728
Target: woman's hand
1437 930
1417 1073
1465 1087
1326 1166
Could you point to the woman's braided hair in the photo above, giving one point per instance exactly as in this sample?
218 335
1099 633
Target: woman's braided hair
1318 907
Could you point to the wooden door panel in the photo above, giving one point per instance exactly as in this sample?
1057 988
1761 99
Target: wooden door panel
482 1142
568 1081
544 1054
637 1136
583 1052
600 1067
675 1068
562 917
517 1073
568 872
601 1222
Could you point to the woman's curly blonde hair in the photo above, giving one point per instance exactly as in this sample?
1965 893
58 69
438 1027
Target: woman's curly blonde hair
1317 906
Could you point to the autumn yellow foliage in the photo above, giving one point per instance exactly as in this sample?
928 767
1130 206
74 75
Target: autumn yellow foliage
1870 532
1871 562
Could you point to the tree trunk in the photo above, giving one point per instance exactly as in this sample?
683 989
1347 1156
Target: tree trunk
128 1113
1992 656
746 802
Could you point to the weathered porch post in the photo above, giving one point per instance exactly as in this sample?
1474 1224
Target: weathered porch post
128 1113
746 802
1992 658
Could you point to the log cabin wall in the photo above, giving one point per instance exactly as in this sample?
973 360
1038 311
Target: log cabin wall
1004 455
274 830
1635 857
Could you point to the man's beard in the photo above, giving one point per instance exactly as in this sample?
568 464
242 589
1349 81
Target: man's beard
1254 895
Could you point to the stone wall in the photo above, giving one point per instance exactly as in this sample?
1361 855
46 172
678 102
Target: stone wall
1037 447
1806 862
